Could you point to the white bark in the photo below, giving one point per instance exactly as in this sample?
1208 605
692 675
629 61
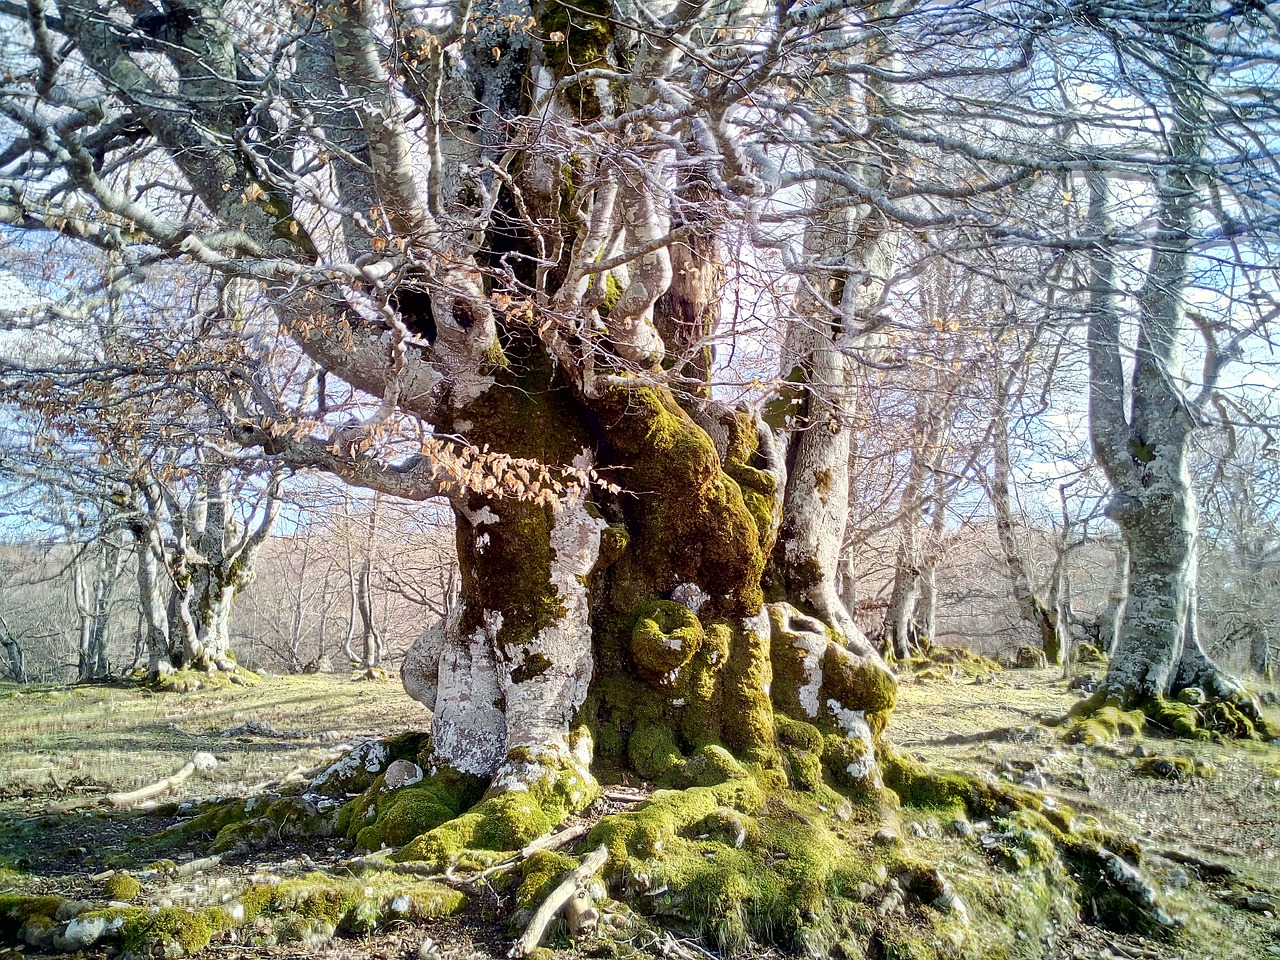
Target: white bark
526 698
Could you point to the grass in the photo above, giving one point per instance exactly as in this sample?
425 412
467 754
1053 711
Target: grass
121 737
104 737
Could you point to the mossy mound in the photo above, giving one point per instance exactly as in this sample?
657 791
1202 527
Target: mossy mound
1103 724
121 886
664 639
1171 767
1087 654
950 663
380 817
189 680
307 908
19 910
549 789
1191 715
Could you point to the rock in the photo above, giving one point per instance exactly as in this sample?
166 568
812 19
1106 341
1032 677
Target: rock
962 828
400 905
355 772
81 934
402 773
1031 658
885 837
1177 879
1035 780
917 830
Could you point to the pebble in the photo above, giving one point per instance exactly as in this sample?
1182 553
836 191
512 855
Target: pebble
1177 879
962 828
885 837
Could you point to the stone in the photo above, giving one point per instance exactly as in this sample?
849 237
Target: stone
885 837
402 773
962 828
81 934
1177 879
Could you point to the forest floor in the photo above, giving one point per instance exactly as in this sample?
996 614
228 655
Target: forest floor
1206 837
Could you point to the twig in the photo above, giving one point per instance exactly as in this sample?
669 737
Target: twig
561 895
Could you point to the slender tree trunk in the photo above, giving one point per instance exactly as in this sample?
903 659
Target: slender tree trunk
1041 613
17 663
371 637
152 600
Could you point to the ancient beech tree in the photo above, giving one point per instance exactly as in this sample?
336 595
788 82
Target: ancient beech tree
508 225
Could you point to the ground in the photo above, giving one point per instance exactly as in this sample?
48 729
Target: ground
1207 814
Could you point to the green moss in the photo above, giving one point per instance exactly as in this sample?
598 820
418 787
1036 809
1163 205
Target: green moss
501 823
666 637
653 752
658 821
690 522
540 874
256 898
1099 720
394 817
1022 840
1172 717
1165 768
16 910
711 766
586 32
918 786
121 886
190 929
748 675
1087 653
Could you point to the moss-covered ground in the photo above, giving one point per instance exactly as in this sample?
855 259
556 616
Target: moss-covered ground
970 865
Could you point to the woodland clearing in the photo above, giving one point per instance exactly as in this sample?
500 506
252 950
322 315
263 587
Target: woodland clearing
1210 838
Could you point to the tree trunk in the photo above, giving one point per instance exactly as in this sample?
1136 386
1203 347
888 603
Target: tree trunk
151 598
1144 449
1041 613
371 642
17 665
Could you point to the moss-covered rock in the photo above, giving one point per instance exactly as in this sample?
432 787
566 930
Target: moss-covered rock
1095 720
17 910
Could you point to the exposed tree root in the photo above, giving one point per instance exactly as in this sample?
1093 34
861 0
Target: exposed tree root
201 762
737 856
1191 714
568 889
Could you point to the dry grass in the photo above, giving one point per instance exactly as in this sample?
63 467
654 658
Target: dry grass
121 737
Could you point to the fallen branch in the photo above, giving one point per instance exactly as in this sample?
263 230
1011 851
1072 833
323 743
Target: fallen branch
577 878
201 762
193 867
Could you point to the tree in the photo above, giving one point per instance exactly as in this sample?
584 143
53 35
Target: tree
509 228
1143 420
